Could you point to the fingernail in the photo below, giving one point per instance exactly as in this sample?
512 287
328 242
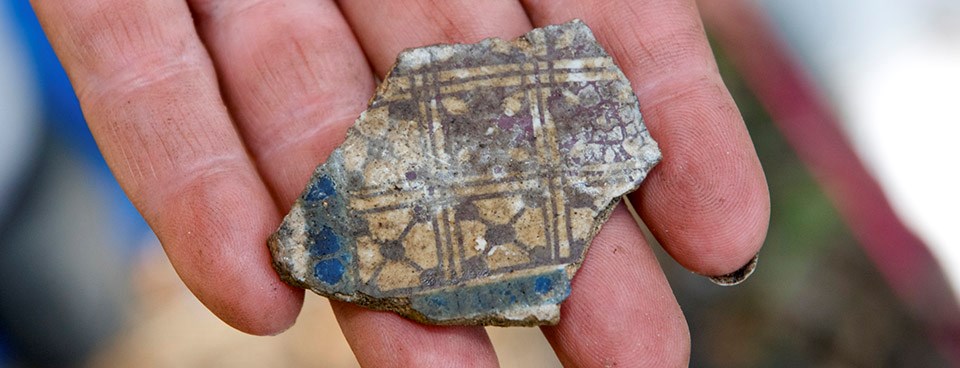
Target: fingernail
737 276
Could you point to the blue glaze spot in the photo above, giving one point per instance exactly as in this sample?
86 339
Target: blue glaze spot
329 271
543 285
325 242
437 301
320 189
546 288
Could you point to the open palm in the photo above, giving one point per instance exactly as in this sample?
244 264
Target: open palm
213 114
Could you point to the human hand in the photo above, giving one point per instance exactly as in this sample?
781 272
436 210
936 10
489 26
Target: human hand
213 115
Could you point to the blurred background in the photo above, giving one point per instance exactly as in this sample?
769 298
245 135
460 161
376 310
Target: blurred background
852 106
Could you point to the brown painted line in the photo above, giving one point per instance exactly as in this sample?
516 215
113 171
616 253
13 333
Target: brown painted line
514 186
556 181
365 204
425 121
455 86
487 178
444 237
561 179
516 80
440 151
533 99
376 275
499 82
551 144
478 71
547 232
518 73
599 169
544 139
480 180
416 266
450 202
459 237
515 271
457 248
441 251
464 69
429 116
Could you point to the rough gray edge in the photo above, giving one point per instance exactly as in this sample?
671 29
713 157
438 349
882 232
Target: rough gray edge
402 305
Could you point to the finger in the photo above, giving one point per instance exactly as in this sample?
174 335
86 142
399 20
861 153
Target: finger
621 311
150 97
387 27
397 342
293 76
707 202
296 79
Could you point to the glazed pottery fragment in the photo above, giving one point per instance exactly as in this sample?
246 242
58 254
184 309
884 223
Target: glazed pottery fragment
471 187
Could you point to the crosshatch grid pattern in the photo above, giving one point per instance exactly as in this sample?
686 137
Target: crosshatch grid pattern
538 80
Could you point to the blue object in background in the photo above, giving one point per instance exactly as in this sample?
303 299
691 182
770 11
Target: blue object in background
61 114
4 361
68 232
